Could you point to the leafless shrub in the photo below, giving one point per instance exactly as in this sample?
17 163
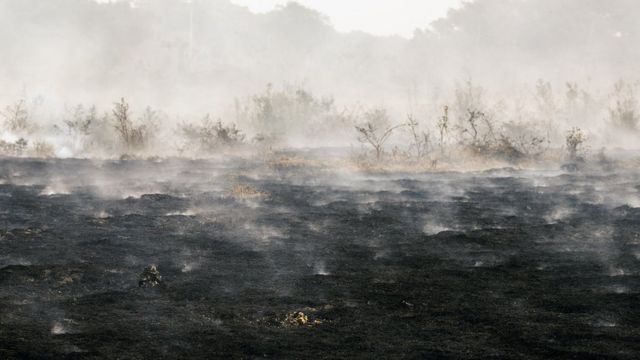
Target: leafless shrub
16 148
575 139
421 143
16 116
43 149
468 97
505 148
474 123
515 149
524 138
123 123
149 118
212 135
375 131
81 120
133 136
477 135
443 127
293 111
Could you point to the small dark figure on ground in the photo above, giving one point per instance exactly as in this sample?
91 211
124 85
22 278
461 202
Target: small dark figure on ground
150 277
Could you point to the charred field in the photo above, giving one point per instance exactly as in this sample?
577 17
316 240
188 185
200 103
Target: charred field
260 260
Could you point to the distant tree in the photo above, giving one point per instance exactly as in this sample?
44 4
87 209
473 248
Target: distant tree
16 116
572 92
623 110
544 94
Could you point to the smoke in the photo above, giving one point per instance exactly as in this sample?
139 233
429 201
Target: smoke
520 63
201 54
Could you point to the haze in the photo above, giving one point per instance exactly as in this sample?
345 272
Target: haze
379 17
189 59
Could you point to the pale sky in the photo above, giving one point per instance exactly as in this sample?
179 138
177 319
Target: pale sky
379 17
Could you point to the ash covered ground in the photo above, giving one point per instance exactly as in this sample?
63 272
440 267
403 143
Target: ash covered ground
261 260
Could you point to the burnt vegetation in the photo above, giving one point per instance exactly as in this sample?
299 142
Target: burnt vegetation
190 179
211 136
467 127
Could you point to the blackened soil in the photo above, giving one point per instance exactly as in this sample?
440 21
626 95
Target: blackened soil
502 264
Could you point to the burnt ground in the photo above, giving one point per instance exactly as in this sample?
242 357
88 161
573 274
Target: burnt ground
499 264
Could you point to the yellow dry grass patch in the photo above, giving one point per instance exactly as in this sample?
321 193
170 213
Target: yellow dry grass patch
243 191
284 162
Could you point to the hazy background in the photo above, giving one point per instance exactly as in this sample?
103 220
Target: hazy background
377 17
203 54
